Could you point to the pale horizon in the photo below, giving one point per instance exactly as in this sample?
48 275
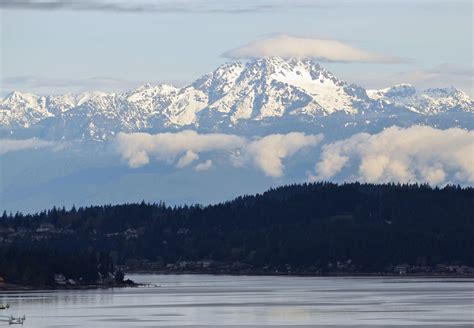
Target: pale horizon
112 46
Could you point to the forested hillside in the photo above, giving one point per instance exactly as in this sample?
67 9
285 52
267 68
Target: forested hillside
311 228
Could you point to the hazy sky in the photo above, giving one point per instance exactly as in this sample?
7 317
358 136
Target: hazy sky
56 46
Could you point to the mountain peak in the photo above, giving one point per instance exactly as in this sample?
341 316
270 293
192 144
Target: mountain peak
17 96
429 101
235 95
152 90
398 90
275 64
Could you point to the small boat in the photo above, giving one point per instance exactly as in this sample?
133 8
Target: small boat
16 321
4 307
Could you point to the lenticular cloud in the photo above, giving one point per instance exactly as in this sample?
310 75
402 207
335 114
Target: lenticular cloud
415 154
287 46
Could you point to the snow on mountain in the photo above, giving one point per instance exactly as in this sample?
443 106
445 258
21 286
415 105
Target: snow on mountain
22 110
273 87
428 102
234 94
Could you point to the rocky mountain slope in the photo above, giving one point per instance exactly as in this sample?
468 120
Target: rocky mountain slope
277 92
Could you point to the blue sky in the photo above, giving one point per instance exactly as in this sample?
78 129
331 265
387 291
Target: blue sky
112 46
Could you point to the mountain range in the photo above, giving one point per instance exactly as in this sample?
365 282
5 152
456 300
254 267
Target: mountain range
266 94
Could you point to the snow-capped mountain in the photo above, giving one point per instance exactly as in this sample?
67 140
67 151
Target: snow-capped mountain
22 110
429 101
269 90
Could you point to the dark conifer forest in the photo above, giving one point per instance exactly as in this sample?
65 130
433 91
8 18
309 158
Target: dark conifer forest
318 228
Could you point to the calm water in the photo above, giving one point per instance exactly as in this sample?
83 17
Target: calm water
215 301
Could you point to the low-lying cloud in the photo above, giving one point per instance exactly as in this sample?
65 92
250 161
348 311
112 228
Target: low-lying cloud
12 145
415 154
137 148
297 47
266 154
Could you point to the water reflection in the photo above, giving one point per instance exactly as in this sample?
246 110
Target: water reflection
253 301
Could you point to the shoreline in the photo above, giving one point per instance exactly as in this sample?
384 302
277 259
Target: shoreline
26 288
302 274
19 288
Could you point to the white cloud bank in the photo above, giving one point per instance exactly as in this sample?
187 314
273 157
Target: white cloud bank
297 47
415 154
137 148
11 145
267 153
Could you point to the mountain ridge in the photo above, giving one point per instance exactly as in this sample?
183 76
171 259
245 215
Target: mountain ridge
235 95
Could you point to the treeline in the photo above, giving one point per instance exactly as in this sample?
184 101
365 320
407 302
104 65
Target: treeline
309 225
38 267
